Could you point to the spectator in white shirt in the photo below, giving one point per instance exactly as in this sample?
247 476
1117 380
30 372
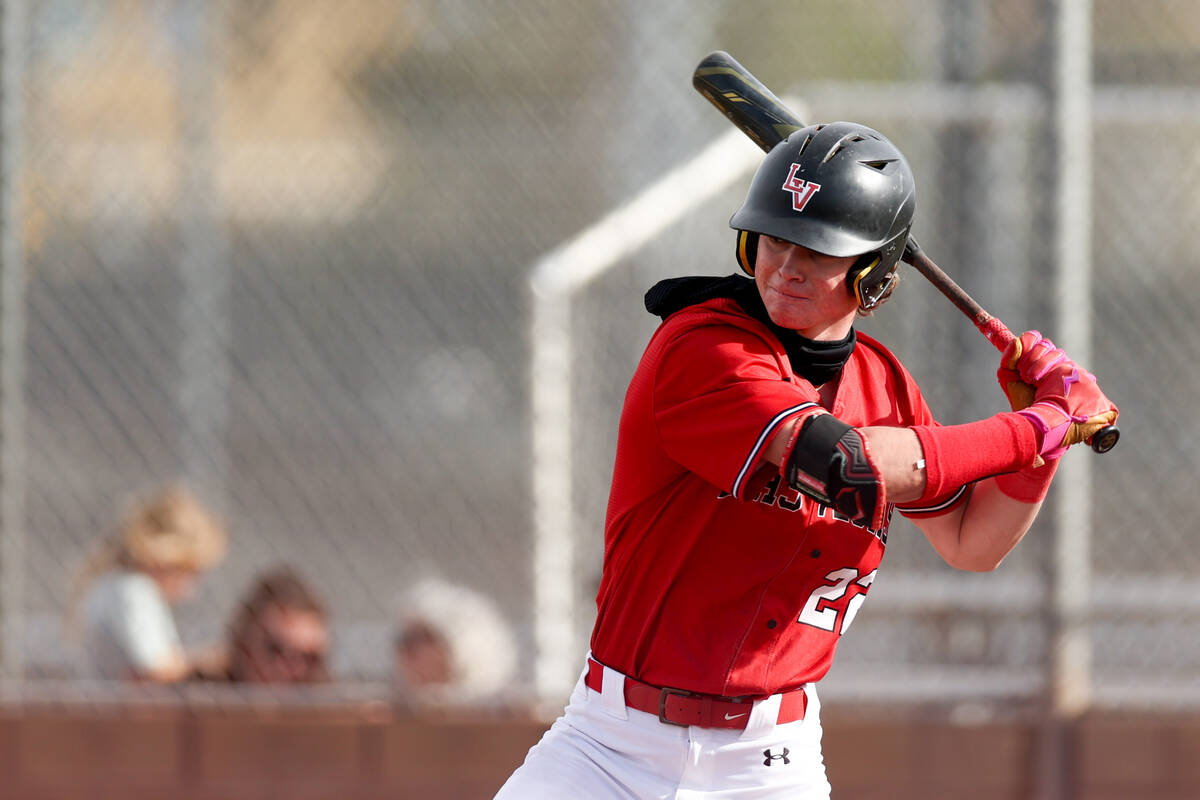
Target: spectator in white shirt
125 594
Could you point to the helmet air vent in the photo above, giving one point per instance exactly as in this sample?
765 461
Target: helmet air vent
849 138
878 164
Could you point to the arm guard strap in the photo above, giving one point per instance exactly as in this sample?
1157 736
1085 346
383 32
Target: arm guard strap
828 461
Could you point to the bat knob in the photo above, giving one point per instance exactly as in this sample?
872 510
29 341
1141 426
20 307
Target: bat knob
1105 439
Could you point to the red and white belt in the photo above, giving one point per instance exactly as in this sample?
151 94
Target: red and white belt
680 707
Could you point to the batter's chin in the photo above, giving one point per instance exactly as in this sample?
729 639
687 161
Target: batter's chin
785 317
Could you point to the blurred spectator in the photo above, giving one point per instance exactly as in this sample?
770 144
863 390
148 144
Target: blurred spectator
279 634
123 597
452 645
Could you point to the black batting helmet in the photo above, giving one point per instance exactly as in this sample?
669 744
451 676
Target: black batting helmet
841 189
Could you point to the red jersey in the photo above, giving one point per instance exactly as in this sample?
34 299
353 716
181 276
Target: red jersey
718 577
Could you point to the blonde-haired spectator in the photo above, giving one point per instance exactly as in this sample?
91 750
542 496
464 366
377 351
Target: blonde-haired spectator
452 645
122 605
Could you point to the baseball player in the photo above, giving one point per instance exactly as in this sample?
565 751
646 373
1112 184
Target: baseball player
763 447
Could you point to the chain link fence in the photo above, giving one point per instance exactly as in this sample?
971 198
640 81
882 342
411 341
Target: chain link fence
280 252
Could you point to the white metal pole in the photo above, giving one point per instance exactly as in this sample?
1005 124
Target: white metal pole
1071 670
204 259
553 506
12 347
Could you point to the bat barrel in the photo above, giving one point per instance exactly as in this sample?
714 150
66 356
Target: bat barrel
741 97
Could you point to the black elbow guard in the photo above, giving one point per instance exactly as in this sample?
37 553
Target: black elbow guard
829 462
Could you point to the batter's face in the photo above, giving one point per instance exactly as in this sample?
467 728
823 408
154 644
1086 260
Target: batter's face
804 290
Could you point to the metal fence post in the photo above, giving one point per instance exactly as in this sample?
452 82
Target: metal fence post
204 259
12 347
1069 678
1072 555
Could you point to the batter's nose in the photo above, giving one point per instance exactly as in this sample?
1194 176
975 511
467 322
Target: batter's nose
796 262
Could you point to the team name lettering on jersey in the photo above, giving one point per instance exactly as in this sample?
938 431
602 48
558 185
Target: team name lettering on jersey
777 494
771 494
881 534
788 499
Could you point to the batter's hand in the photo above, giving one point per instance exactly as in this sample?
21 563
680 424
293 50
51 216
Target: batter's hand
1060 398
1020 394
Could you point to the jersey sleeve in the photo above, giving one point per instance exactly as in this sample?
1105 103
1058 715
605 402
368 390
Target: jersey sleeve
937 506
721 393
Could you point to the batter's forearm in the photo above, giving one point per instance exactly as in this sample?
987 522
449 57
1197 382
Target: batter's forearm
899 459
897 453
978 536
904 466
862 470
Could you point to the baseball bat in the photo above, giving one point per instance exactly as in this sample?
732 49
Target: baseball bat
762 116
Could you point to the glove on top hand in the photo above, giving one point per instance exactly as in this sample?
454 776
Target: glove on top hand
1062 400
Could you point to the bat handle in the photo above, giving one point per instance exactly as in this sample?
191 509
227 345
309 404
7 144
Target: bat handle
999 335
996 331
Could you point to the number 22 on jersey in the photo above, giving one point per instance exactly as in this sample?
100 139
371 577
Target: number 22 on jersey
829 603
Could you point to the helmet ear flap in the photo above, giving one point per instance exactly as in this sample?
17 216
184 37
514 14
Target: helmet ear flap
747 251
871 280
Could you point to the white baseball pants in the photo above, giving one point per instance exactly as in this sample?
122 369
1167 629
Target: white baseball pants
601 750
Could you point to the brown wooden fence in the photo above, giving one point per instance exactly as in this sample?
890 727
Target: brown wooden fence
64 753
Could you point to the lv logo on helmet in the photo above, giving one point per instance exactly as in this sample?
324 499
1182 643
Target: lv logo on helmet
802 190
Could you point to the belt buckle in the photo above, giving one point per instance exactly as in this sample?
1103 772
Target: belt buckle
662 704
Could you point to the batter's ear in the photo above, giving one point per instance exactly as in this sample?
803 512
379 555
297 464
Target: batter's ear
747 251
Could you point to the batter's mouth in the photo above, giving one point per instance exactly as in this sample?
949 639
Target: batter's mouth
788 295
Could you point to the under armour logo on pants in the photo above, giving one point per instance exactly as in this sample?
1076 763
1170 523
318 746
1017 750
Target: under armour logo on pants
772 757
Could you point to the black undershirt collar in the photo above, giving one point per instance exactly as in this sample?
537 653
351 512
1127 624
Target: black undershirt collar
817 362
